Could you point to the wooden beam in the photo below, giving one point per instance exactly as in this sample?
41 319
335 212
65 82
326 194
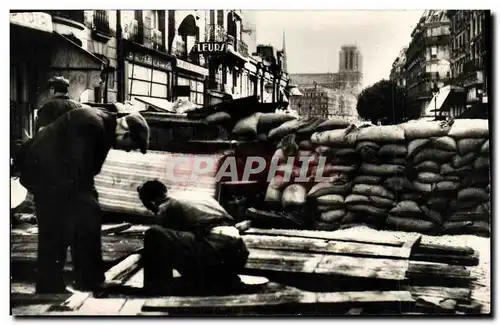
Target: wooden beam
108 306
114 228
440 292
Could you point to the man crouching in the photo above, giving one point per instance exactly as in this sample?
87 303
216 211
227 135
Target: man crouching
196 237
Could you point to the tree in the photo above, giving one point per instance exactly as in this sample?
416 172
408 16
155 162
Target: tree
384 101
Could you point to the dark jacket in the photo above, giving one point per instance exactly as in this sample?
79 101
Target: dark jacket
68 153
199 215
53 108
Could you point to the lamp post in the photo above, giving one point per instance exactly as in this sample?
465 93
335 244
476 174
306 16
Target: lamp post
435 92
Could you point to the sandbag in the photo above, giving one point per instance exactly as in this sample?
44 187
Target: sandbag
325 226
341 137
429 178
381 202
356 199
310 125
381 170
247 125
261 137
428 166
218 117
351 217
273 194
436 155
469 128
372 190
411 196
360 145
416 145
460 161
332 215
325 188
333 124
422 187
397 161
306 145
467 145
398 184
410 224
438 203
406 209
294 195
330 199
393 151
345 152
482 163
368 209
457 205
484 208
367 179
448 170
445 143
343 169
485 149
478 228
420 129
473 194
285 129
384 133
369 155
271 120
432 215
324 208
323 150
471 216
446 186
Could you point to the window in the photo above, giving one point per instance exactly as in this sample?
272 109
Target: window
147 82
220 18
196 88
101 21
433 52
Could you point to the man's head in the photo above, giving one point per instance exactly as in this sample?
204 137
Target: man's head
152 194
132 132
59 85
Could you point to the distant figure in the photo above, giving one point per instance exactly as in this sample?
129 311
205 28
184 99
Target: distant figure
59 104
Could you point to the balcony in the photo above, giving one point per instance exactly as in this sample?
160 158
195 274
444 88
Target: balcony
157 40
471 66
216 33
133 31
100 26
473 79
437 40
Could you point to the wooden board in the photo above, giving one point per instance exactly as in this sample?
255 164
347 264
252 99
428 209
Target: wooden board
440 292
132 307
324 246
254 302
108 306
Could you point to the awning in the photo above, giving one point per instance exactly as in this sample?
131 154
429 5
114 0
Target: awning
69 55
157 104
444 99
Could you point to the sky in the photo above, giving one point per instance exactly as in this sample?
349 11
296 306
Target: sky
314 38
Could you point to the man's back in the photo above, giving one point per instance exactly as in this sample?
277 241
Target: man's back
52 109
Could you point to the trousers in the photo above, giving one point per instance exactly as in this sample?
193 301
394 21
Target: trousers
204 260
68 218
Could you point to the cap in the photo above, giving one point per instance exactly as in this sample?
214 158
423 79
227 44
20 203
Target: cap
59 80
139 130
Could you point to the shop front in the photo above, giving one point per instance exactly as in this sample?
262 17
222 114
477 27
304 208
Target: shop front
37 53
148 75
192 77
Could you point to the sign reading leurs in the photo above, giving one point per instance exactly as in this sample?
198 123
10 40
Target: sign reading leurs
210 48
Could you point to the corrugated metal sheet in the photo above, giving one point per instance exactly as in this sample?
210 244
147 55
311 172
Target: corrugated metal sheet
123 172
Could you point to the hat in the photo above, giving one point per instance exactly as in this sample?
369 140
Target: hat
139 130
59 80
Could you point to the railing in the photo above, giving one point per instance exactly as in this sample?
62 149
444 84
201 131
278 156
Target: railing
157 39
215 33
242 48
100 22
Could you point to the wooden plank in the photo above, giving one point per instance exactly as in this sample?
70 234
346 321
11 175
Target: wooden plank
266 300
30 310
132 307
437 303
440 292
466 260
114 228
377 268
108 306
136 280
282 261
33 298
324 246
418 269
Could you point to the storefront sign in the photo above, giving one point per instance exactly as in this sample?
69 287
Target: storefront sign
192 67
147 59
210 48
35 20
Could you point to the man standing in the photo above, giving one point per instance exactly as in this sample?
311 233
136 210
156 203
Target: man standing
56 106
58 166
196 237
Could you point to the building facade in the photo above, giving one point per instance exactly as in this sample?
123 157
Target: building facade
318 101
150 57
398 72
471 45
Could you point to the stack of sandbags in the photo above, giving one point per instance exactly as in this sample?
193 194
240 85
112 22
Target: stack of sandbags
259 125
469 211
425 204
337 164
382 151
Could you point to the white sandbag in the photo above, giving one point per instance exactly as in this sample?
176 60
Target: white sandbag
445 143
467 145
392 151
428 166
356 199
420 129
410 224
367 179
333 124
422 187
247 125
398 184
429 178
460 161
330 199
469 128
217 117
274 119
482 163
406 209
416 145
384 133
381 170
285 129
341 137
473 194
332 215
372 190
325 188
436 155
294 195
